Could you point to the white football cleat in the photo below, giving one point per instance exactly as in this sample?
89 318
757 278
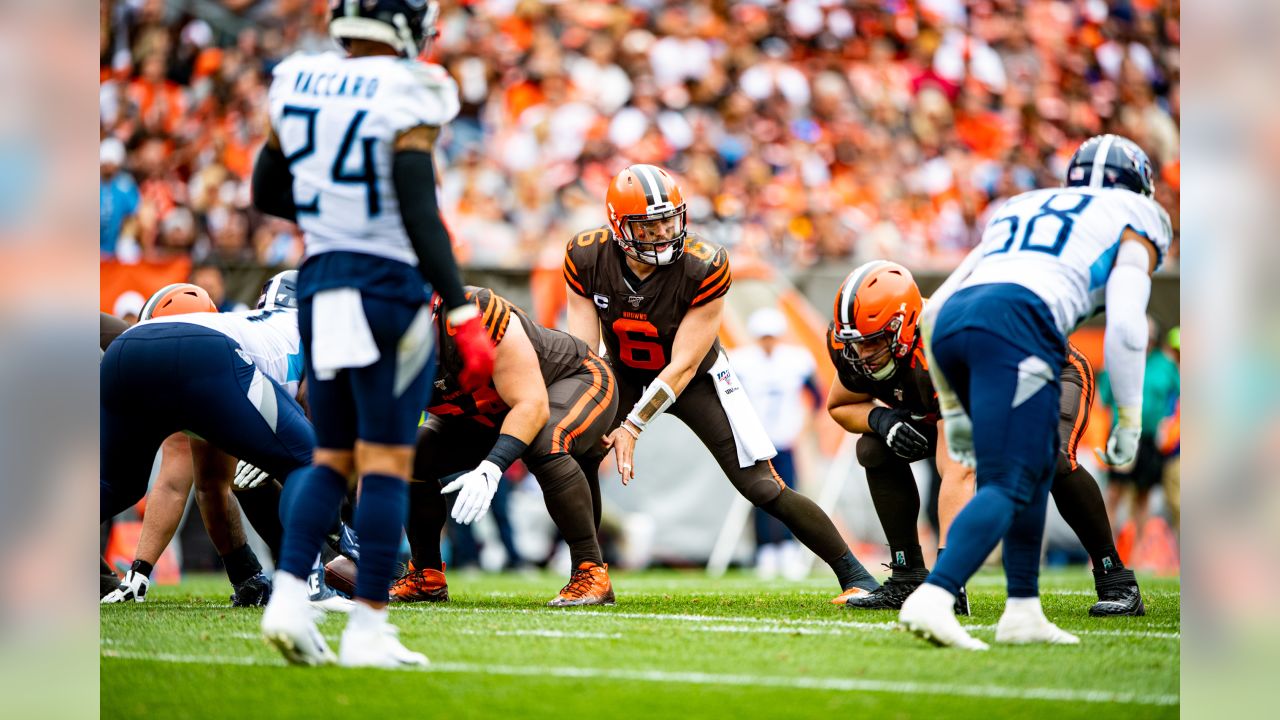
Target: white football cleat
1024 623
288 623
133 587
322 597
929 613
370 641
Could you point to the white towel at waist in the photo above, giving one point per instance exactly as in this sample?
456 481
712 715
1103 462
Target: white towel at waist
748 432
340 335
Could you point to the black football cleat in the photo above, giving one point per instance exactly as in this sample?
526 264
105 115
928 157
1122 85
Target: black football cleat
962 602
1118 594
254 592
893 592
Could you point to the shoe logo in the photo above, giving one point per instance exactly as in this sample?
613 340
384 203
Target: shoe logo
1033 374
313 583
1106 563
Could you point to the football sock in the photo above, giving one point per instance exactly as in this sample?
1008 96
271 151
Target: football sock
242 564
1022 544
972 537
381 512
1079 500
568 499
141 567
428 513
897 503
815 530
591 470
907 558
308 508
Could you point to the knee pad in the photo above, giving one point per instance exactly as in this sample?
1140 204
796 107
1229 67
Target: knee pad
873 452
554 472
762 489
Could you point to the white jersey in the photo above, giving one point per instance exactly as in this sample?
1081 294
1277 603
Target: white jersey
1061 244
774 384
269 338
337 118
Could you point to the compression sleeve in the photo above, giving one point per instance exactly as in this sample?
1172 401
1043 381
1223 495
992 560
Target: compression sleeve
414 177
272 184
1125 345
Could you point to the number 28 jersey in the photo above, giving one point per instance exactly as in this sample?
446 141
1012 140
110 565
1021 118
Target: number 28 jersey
1062 243
639 319
337 119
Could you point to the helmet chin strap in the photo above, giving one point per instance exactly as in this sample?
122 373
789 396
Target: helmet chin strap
884 372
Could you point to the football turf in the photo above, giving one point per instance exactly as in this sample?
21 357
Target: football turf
677 644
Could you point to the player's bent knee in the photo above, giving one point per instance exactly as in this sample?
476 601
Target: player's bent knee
1063 467
555 472
762 491
379 459
873 452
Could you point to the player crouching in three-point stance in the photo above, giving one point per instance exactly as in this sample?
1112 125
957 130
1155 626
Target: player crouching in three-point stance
349 159
657 297
996 338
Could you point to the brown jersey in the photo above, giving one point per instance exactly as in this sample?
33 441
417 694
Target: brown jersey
909 387
639 318
559 355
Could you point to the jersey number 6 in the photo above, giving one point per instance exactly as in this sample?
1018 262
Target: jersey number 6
636 353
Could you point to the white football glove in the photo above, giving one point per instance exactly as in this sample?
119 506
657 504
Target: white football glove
248 476
1122 447
476 492
958 430
132 587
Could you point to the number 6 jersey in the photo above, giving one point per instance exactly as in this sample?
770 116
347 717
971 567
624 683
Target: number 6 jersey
337 119
1061 244
639 318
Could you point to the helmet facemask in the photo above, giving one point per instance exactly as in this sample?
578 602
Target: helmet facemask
655 238
883 348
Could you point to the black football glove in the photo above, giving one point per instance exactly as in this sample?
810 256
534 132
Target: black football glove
899 433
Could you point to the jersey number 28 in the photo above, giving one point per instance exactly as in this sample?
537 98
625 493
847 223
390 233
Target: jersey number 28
366 174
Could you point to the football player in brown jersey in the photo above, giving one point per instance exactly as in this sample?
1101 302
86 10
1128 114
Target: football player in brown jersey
551 400
884 392
655 295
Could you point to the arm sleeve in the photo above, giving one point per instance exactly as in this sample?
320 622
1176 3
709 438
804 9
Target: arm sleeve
273 184
1125 345
413 175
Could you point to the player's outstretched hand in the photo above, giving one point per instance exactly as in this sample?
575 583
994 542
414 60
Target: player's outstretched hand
474 346
475 492
624 450
899 433
1122 448
958 430
248 476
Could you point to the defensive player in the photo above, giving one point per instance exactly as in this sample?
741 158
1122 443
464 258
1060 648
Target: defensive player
996 334
655 295
884 392
550 403
349 159
226 379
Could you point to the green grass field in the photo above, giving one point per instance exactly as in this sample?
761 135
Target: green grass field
677 645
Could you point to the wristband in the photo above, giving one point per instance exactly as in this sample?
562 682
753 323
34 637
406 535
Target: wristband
634 433
1129 417
656 398
506 450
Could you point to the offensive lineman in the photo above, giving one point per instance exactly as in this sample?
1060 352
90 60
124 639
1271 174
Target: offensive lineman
349 159
876 350
656 297
996 338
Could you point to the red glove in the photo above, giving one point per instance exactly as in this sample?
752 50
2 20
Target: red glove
474 346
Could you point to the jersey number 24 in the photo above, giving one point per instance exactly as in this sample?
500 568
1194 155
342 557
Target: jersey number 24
338 172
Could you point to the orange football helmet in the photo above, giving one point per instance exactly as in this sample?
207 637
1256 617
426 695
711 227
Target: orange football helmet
876 314
647 213
177 299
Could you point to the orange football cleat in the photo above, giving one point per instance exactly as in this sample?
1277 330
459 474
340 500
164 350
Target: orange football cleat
851 592
589 585
420 586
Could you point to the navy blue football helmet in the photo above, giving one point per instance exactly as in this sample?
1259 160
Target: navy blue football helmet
406 25
281 291
1111 161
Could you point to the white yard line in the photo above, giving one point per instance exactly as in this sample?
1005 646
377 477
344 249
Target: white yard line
785 624
695 678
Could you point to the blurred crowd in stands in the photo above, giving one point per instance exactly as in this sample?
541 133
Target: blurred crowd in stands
804 132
